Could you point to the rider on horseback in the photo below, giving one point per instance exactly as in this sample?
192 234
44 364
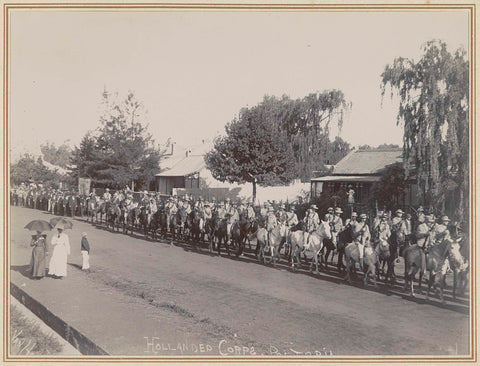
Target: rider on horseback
311 222
361 235
337 225
232 214
271 223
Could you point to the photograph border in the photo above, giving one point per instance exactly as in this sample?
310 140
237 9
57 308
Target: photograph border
10 7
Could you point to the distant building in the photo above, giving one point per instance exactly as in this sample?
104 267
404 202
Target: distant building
359 170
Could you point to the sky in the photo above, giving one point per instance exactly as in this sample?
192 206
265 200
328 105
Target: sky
194 70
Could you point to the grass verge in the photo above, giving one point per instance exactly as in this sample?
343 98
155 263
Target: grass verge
26 338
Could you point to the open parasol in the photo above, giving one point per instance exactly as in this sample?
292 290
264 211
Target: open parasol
38 225
67 224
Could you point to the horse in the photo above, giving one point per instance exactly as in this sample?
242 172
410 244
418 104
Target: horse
344 238
387 256
459 263
158 222
113 216
194 221
129 220
370 261
269 242
414 258
313 242
237 238
177 225
142 220
209 231
435 258
220 233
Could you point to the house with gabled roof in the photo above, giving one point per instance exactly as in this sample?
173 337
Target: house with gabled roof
359 170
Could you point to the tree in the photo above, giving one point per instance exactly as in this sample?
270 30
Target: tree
60 156
390 190
31 169
121 152
434 110
252 151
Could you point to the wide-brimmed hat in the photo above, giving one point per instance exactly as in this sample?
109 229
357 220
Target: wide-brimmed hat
399 211
292 207
445 218
59 227
314 207
430 219
338 210
330 209
363 216
107 189
84 234
354 214
420 209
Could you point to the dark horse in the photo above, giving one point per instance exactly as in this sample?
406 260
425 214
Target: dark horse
220 233
114 214
177 224
193 221
344 238
389 260
158 222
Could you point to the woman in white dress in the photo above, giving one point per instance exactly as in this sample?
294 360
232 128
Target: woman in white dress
61 249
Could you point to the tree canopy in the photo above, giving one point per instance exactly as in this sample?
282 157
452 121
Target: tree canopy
306 124
434 110
59 156
390 190
252 151
31 169
120 152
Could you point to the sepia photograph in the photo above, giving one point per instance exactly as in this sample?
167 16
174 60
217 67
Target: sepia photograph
223 182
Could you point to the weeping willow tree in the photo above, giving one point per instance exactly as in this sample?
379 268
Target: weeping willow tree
305 123
434 111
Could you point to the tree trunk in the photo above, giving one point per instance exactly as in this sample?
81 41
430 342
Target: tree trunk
133 186
254 194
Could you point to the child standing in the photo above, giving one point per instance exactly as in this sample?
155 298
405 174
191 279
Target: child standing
85 250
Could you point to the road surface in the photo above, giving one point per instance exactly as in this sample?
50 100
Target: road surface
238 306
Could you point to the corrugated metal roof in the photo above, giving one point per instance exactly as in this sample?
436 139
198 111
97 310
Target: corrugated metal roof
186 166
347 178
367 161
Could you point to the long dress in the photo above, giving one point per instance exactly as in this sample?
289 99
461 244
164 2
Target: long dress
61 249
38 256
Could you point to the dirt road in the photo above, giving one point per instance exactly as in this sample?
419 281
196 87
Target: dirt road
237 306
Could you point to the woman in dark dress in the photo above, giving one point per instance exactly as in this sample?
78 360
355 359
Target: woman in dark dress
39 244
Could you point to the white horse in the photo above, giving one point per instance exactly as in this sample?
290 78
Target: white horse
311 243
370 260
270 243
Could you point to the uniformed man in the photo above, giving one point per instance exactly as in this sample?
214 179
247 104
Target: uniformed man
233 216
282 215
107 195
376 221
361 236
329 216
425 232
271 222
250 212
221 212
349 222
312 221
443 233
264 210
337 225
227 204
384 231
